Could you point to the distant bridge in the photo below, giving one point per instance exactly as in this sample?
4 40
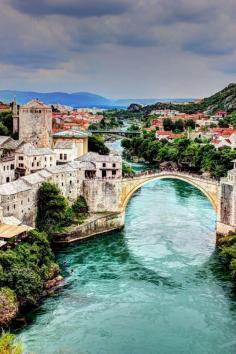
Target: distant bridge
117 132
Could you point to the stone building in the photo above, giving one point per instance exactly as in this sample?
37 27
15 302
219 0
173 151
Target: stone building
35 124
19 198
7 159
107 166
30 159
70 145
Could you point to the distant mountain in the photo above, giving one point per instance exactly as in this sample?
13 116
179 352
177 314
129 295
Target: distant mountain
79 99
224 100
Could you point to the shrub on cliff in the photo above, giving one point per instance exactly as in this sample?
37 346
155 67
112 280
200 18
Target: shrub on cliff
8 306
80 205
227 253
25 268
8 344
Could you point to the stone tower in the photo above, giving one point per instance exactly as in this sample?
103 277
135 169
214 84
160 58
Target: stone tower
15 116
35 123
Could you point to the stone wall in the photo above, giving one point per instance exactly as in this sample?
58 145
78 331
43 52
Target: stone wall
102 195
99 225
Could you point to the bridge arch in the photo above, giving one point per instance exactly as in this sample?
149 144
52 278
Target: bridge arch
207 187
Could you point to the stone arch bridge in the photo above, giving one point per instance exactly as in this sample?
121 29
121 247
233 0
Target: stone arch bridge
211 188
207 186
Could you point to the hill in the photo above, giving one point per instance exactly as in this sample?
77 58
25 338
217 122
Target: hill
78 99
224 100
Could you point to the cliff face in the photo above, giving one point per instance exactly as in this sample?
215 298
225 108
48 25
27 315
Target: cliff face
224 100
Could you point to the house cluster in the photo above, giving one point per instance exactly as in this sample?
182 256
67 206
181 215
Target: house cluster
4 107
75 120
40 155
206 126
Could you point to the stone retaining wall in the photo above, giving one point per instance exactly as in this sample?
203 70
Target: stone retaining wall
100 224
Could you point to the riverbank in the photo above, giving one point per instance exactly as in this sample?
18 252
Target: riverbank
29 272
95 225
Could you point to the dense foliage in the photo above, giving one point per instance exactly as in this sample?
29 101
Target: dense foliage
189 155
8 344
80 205
96 144
6 123
54 213
178 126
53 209
25 268
227 253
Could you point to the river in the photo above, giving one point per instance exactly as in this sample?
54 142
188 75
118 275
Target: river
155 287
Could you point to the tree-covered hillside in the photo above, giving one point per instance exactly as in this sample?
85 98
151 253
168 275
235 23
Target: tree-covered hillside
224 100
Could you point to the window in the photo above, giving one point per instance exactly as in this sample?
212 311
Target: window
45 158
37 163
113 172
104 173
12 167
7 179
65 156
21 157
104 165
21 165
32 164
61 156
114 165
4 168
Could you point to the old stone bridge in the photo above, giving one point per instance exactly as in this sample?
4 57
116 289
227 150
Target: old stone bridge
113 195
207 186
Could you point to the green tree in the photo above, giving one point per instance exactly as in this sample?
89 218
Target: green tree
168 124
96 144
80 205
9 345
52 207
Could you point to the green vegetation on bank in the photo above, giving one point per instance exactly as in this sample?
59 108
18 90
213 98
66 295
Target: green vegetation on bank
9 345
127 170
194 156
55 213
227 254
96 144
23 273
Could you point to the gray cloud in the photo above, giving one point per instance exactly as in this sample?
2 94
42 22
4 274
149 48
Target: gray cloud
74 8
68 38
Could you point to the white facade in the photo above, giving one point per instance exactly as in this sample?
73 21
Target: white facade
29 159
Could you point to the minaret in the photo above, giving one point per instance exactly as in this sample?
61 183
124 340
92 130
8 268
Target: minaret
15 117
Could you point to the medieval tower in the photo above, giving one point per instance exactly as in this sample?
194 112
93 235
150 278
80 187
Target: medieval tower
35 124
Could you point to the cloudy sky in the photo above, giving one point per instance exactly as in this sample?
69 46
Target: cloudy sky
118 48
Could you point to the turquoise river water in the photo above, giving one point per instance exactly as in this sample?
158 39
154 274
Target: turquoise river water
155 287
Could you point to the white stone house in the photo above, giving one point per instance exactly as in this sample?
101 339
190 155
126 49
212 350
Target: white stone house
107 166
29 159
